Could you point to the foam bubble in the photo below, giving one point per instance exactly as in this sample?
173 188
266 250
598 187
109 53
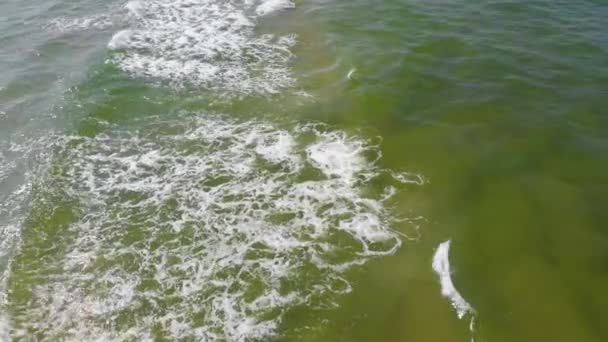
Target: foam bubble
210 230
206 43
441 265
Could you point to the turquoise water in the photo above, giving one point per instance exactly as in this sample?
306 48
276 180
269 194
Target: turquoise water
205 170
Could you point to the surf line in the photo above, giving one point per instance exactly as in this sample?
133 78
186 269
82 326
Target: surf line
441 266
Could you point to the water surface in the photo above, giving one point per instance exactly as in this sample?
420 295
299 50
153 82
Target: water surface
268 170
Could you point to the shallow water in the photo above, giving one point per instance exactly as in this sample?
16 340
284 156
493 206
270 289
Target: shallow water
313 171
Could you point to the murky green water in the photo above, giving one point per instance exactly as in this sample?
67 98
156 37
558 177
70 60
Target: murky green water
243 170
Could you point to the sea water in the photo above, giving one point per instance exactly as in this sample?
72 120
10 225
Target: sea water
252 170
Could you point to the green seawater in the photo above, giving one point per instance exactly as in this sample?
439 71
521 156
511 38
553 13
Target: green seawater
301 192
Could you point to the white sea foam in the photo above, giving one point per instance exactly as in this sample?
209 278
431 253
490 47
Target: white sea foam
206 43
270 6
5 329
441 265
335 158
69 24
94 15
408 177
210 231
5 326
